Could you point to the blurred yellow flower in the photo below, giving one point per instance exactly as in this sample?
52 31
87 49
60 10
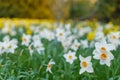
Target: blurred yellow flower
91 36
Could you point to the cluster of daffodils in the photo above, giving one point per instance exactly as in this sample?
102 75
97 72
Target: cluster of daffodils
102 53
33 43
71 39
7 45
85 64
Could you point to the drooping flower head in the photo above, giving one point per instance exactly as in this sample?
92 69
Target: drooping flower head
49 66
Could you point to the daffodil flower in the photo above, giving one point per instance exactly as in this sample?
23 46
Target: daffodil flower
75 45
70 57
114 38
104 56
49 66
103 46
26 39
84 44
85 64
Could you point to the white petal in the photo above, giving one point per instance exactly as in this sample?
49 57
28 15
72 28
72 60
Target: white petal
97 56
48 70
103 41
65 55
102 62
75 57
81 71
69 52
95 52
70 61
90 69
88 58
111 57
111 47
52 62
107 62
81 58
97 45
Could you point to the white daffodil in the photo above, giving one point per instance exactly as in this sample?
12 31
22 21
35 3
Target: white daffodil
49 66
70 57
3 47
114 38
67 26
99 36
6 28
26 39
45 33
84 30
38 46
13 31
104 56
84 44
8 45
4 44
50 36
75 45
67 42
11 46
60 34
36 38
92 44
103 46
85 64
35 29
6 39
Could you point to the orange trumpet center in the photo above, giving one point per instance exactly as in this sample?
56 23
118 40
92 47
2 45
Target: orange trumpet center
103 56
84 64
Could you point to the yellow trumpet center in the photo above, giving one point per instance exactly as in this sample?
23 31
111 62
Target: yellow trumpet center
114 37
61 34
70 57
24 39
49 65
76 45
10 46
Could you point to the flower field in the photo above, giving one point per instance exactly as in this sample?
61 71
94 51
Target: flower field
49 50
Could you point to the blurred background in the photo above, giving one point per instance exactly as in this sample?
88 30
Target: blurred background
102 10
